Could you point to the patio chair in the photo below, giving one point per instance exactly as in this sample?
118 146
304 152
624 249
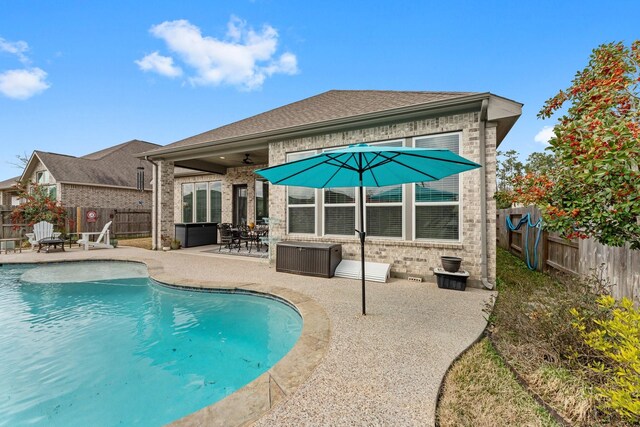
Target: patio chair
102 241
247 237
41 230
227 238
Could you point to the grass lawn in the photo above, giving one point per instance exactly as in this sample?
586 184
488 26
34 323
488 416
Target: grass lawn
481 391
531 327
140 242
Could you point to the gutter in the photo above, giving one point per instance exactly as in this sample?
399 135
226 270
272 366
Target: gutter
483 195
154 229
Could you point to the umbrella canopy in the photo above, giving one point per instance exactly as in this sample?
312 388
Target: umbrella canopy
362 165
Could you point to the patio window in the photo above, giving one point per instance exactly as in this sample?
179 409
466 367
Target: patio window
383 206
201 202
340 211
301 203
437 203
215 201
187 203
262 199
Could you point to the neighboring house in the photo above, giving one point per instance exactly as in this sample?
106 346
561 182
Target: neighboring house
9 192
408 226
104 179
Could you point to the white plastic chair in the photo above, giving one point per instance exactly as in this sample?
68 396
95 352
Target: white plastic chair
41 230
102 241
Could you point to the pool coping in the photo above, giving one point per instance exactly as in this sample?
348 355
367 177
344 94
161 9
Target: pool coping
247 404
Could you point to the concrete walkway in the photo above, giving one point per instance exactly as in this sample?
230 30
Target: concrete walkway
383 369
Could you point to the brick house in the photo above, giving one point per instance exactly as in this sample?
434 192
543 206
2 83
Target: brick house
209 177
104 179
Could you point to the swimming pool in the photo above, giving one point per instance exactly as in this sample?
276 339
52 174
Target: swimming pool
126 351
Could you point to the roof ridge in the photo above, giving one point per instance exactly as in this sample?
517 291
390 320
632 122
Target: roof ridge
55 154
101 154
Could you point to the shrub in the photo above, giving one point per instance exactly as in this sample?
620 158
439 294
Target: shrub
37 206
615 334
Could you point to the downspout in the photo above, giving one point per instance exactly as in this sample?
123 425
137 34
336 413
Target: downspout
483 195
155 199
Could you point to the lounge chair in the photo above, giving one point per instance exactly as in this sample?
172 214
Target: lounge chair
41 230
102 241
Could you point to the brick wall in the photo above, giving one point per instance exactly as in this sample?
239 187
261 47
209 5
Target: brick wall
103 197
409 258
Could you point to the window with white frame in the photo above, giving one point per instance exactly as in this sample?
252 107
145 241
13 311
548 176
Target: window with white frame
437 203
187 202
215 201
339 211
301 203
383 206
43 180
201 202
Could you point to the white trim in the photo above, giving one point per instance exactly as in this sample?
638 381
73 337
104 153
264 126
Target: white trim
458 203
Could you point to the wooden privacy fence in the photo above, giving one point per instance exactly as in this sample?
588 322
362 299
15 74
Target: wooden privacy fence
620 266
126 222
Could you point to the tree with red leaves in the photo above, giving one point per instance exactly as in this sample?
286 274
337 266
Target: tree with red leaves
593 190
37 206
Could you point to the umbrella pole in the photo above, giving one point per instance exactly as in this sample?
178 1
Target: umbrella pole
362 236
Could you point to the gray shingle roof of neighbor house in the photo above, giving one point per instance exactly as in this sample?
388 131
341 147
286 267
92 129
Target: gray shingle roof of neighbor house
9 184
326 108
113 166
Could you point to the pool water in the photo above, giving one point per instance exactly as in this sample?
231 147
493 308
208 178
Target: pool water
127 351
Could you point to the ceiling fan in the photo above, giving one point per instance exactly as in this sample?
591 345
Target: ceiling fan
247 160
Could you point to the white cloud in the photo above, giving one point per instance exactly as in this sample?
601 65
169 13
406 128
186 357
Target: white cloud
245 58
545 134
160 64
16 48
23 84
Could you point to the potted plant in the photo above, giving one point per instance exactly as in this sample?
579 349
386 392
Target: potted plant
451 263
114 243
175 244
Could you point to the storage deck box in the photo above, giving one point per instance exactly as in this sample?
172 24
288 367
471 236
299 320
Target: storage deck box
308 258
197 234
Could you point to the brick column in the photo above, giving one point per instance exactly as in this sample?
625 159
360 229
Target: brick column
163 203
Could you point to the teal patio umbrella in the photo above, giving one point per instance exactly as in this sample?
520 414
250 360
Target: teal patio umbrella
362 165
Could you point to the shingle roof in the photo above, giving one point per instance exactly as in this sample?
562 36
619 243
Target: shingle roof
327 106
9 184
114 166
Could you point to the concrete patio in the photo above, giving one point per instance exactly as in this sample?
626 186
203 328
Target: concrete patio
382 369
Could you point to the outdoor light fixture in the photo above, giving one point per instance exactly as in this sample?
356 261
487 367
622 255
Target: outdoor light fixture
140 178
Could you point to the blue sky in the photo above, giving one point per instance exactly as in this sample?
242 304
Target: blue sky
79 76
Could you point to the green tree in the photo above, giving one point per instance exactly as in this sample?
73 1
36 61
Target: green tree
507 168
593 188
538 162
